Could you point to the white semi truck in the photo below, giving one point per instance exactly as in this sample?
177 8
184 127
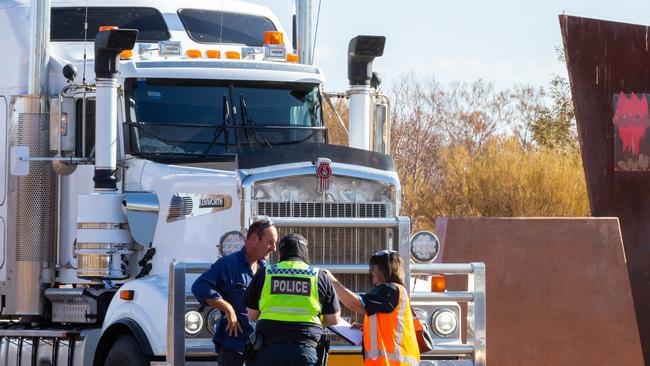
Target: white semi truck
134 155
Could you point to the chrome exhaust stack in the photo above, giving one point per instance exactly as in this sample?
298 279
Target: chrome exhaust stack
303 30
362 50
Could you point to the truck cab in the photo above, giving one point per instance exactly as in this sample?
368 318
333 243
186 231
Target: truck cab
148 173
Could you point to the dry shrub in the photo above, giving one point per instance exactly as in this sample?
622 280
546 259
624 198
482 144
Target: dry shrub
504 179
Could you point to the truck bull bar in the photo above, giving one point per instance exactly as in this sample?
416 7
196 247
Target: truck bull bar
474 349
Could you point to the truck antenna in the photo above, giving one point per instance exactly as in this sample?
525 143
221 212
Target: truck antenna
83 78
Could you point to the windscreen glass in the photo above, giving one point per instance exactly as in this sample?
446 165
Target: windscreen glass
198 118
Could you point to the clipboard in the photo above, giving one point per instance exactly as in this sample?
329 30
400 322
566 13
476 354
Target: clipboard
344 330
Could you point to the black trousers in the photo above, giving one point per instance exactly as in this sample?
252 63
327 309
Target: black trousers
286 354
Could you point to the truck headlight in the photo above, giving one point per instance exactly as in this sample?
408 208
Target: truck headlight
193 322
213 319
444 322
424 246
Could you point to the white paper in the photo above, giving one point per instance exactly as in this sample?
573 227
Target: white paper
345 330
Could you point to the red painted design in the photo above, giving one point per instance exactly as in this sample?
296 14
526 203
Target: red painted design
631 119
324 172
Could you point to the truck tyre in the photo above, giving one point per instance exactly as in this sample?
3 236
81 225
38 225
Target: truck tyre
125 352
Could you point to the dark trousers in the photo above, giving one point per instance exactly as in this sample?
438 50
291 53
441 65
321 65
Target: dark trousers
286 354
230 358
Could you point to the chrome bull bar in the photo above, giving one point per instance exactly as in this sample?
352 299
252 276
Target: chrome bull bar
474 296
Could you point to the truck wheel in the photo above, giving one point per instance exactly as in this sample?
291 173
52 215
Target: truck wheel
125 352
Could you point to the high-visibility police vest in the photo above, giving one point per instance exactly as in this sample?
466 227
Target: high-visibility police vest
389 338
290 293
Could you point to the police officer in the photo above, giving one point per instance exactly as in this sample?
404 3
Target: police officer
289 298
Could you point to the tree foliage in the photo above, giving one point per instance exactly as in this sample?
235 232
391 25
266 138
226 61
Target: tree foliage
468 149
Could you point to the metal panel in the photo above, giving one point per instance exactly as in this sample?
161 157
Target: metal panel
35 203
31 217
605 59
3 150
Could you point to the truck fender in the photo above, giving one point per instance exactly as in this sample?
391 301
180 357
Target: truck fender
123 326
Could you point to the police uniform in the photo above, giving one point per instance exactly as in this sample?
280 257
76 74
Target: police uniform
290 296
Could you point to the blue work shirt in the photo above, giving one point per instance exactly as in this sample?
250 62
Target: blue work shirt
228 278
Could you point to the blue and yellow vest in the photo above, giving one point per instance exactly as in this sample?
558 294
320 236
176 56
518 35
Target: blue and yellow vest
290 293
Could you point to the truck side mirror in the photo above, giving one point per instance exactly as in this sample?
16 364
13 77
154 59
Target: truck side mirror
381 125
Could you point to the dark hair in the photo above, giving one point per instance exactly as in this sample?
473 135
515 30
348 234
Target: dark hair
390 265
293 246
258 227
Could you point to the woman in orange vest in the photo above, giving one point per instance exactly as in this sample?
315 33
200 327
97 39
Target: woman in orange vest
388 332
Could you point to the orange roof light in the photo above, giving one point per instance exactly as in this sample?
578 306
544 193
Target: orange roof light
233 55
438 283
292 57
213 54
126 54
107 27
193 53
273 38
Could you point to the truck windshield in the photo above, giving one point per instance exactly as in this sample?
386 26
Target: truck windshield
200 119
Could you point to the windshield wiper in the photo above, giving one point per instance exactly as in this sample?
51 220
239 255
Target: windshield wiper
224 127
249 125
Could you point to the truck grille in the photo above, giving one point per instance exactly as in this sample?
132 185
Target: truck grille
342 245
319 209
336 245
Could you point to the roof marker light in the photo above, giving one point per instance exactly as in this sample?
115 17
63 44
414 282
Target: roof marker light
107 27
193 53
233 55
126 54
292 57
273 38
213 54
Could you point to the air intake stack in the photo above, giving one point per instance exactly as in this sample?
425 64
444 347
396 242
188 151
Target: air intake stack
103 239
362 50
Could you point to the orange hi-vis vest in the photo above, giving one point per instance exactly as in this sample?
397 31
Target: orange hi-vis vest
389 338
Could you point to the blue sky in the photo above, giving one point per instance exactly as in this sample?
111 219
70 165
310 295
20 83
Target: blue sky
506 42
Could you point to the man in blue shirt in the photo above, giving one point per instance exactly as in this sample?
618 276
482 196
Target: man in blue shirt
224 286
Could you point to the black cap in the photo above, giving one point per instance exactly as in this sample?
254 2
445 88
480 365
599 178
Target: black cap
109 44
293 246
362 50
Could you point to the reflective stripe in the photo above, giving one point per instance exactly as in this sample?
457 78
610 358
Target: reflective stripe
289 310
376 353
309 271
392 356
399 332
373 332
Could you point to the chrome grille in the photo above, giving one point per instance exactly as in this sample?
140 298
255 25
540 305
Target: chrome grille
319 209
336 245
180 206
340 245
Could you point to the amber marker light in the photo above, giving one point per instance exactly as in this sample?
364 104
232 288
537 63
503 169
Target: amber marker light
127 295
193 53
273 38
233 55
107 27
438 283
292 57
126 54
213 54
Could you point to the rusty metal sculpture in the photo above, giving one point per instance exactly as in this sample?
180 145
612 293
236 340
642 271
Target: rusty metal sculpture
609 69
